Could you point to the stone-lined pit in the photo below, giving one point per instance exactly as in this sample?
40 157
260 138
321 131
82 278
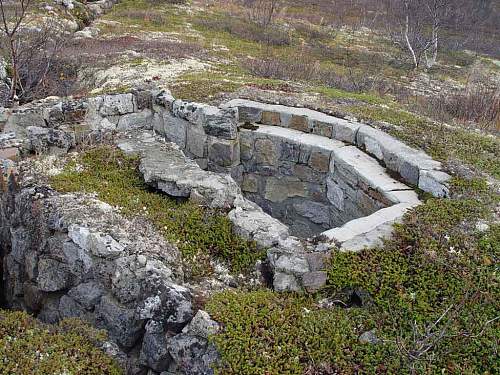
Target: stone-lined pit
278 171
313 183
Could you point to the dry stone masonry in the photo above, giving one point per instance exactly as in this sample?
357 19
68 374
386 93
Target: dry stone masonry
296 181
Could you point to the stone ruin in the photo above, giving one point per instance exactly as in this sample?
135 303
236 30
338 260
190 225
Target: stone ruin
296 181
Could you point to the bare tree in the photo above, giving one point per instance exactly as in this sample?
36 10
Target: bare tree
31 50
263 12
13 14
420 23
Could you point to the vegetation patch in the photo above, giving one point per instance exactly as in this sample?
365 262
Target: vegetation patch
429 297
272 333
199 233
334 93
71 347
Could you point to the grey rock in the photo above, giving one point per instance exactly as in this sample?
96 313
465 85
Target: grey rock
314 281
119 104
79 261
50 311
99 244
69 308
53 275
193 354
125 283
283 282
166 168
175 129
219 122
120 322
335 194
369 337
288 262
168 304
46 140
254 224
224 153
139 120
88 294
434 182
196 141
33 296
316 212
201 325
154 352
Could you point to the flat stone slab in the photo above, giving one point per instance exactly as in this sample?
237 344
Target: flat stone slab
367 169
368 231
165 167
397 156
295 136
258 226
280 115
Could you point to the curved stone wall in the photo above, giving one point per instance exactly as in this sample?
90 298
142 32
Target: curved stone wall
345 183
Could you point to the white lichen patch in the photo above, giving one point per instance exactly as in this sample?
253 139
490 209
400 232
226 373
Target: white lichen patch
134 74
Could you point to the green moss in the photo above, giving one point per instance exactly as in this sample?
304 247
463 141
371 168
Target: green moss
436 266
29 347
433 268
149 17
203 86
333 93
272 333
199 233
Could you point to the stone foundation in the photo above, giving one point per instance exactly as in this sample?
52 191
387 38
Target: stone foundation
342 182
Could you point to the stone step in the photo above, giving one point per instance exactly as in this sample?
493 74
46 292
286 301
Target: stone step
295 136
414 166
165 167
350 162
368 231
302 119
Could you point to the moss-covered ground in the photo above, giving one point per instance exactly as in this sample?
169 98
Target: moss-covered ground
28 347
199 233
430 297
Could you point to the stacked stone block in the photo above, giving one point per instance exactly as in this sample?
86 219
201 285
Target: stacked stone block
413 166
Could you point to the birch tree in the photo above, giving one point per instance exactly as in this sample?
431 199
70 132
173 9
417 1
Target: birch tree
420 23
13 14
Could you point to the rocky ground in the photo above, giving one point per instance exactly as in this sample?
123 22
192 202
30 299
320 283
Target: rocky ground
133 212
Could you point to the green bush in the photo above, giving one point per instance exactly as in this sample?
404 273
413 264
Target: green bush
272 333
433 303
28 347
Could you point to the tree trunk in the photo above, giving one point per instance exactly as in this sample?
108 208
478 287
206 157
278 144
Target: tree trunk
13 57
407 38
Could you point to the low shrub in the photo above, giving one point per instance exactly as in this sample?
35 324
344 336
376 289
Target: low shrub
477 104
298 69
429 298
271 34
28 347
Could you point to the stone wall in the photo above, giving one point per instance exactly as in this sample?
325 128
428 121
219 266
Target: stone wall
70 255
413 166
318 174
